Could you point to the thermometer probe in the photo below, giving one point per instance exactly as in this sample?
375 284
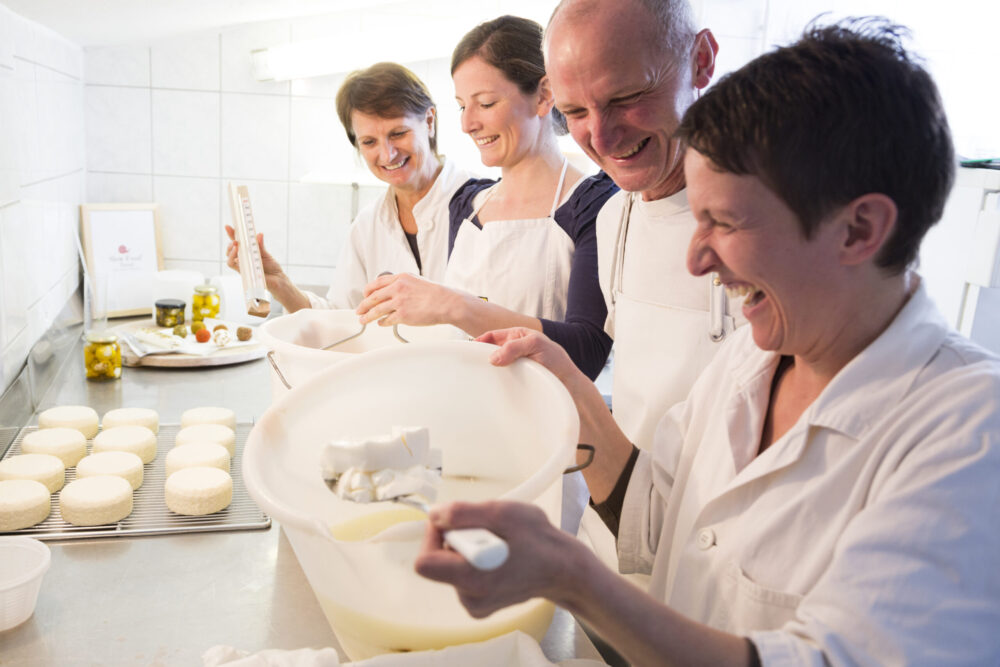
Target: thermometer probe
251 264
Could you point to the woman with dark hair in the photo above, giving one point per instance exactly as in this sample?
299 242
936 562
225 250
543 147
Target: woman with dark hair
522 250
390 118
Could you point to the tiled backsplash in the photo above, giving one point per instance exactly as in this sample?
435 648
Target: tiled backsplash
41 182
175 122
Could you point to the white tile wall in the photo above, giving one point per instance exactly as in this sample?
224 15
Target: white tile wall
119 134
7 19
126 188
237 43
316 136
8 136
255 131
117 66
188 63
320 213
189 217
185 133
41 182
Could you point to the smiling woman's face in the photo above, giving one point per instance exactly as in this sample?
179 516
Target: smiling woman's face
504 122
754 241
397 150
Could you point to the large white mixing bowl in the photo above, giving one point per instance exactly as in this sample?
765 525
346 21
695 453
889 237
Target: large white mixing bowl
503 432
295 342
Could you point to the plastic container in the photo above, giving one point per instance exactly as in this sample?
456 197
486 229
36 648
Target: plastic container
23 563
503 433
295 342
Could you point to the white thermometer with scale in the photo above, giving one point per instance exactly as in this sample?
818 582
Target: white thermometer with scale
251 264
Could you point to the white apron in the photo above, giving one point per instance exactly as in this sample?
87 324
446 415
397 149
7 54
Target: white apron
522 265
667 347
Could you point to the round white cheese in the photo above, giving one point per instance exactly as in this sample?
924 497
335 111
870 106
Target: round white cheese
126 465
197 454
43 468
217 433
95 501
136 439
66 443
132 417
198 491
23 503
80 417
209 415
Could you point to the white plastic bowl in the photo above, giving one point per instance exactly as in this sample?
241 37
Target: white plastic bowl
295 342
23 562
503 433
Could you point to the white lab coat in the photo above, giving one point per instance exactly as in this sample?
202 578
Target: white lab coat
867 534
376 242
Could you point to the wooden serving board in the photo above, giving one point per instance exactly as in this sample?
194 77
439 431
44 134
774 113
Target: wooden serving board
222 357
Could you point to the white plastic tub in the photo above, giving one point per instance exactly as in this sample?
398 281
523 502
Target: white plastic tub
504 432
295 342
23 563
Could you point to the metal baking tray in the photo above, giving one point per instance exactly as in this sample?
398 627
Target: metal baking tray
150 515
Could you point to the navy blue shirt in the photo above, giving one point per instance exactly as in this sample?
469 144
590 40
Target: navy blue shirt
582 332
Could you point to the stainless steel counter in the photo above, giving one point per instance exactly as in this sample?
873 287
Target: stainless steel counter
164 600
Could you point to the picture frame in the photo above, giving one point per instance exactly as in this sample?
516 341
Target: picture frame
122 252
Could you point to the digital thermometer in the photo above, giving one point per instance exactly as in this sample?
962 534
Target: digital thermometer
251 264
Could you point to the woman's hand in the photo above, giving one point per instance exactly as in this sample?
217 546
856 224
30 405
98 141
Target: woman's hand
270 264
278 284
538 564
403 298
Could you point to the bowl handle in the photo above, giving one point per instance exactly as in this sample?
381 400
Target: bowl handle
590 459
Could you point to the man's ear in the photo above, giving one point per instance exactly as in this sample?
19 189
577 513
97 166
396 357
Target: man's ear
705 50
869 221
545 98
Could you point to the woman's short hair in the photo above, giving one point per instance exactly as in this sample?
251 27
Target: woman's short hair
843 112
386 90
513 45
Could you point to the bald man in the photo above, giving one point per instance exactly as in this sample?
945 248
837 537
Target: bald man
624 72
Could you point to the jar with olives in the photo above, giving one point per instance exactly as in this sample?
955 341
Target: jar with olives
169 312
102 356
204 303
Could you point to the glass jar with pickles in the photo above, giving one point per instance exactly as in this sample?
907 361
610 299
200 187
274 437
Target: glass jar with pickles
169 312
204 303
102 356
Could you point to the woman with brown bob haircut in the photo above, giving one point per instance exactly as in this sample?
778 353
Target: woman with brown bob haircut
391 120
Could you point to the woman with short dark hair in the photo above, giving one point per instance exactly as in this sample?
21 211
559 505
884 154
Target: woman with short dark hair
390 118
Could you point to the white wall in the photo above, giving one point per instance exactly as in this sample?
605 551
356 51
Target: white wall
174 122
41 182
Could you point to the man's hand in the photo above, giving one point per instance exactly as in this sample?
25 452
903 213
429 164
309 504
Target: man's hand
519 342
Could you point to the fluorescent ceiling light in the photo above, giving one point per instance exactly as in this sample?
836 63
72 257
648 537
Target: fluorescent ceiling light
302 60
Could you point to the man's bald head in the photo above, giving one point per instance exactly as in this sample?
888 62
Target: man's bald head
623 72
672 21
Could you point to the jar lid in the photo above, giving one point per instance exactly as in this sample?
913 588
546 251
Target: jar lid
100 336
204 289
170 303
